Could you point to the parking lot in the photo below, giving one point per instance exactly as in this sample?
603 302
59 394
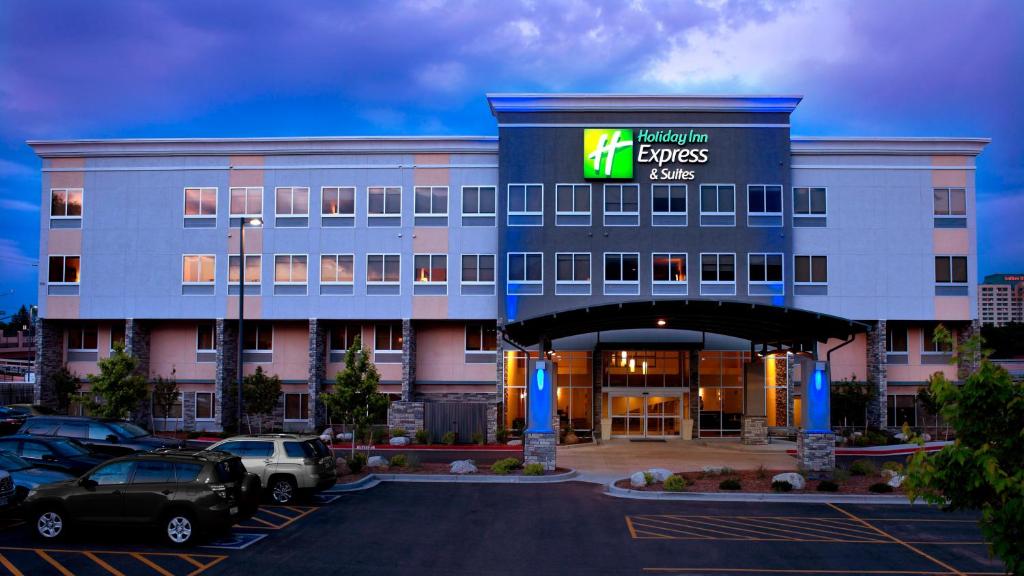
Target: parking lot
553 529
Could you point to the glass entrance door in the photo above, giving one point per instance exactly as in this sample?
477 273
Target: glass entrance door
638 415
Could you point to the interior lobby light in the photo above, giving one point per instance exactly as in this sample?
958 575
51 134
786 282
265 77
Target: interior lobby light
661 322
632 364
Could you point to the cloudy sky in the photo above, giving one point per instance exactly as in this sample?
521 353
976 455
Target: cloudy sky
101 69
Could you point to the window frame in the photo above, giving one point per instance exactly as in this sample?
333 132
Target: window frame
622 187
622 268
430 261
952 281
764 197
355 202
81 328
686 269
292 214
766 281
479 187
256 328
337 268
385 213
246 214
670 212
447 201
526 188
525 255
213 269
213 337
213 405
494 266
391 337
234 282
810 202
906 341
67 192
303 406
810 270
929 329
383 269
64 268
184 201
348 342
291 263
718 271
574 212
482 329
179 403
574 282
949 204
718 202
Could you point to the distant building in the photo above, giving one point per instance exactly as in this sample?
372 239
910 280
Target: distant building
1001 299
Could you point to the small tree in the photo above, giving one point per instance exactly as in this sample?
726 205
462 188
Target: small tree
165 394
355 399
984 468
119 384
65 385
262 393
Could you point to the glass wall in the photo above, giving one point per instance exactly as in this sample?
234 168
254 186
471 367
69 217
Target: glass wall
515 392
645 368
574 381
721 392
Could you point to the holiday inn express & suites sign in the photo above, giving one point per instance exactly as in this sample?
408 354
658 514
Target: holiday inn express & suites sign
612 153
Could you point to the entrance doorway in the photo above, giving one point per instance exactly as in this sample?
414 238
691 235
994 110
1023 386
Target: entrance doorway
637 414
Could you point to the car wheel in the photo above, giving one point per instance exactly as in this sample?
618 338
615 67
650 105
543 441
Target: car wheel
179 529
51 524
282 490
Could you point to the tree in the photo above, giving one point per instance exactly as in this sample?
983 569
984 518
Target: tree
355 399
65 384
21 320
119 384
165 394
984 467
850 399
262 393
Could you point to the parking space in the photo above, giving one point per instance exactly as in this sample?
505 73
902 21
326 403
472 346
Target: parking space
85 562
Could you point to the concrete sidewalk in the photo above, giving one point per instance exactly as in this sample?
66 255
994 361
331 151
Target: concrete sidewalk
615 459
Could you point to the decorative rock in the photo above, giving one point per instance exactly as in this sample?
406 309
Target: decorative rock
795 480
462 467
376 462
660 474
344 436
326 435
900 436
926 437
399 441
637 480
514 443
712 470
896 481
888 474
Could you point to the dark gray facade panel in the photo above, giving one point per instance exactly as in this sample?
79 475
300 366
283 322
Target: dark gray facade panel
951 222
951 290
336 290
62 290
805 290
810 222
60 223
250 289
200 222
337 222
201 290
291 222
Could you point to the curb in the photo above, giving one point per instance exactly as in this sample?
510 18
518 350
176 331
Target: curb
364 483
375 479
617 492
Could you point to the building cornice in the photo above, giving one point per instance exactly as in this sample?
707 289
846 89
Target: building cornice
887 146
533 102
266 146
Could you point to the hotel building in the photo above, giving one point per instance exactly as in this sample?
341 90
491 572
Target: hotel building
673 256
1001 299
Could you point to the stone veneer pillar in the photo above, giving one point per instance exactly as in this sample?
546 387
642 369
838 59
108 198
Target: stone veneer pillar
694 377
408 359
49 343
755 431
317 373
966 363
500 381
595 371
539 448
136 344
226 376
877 367
817 453
188 411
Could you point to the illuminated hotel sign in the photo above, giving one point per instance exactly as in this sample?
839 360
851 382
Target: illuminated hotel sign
608 154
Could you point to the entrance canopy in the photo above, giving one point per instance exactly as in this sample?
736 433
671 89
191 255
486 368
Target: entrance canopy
760 323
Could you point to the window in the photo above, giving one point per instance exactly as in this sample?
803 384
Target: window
247 201
764 268
526 267
343 337
573 200
187 472
383 268
621 199
205 403
338 201
717 268
115 473
950 202
481 337
117 335
175 408
932 346
668 198
809 201
337 268
431 200
299 450
762 199
83 338
384 201
478 200
296 407
67 203
290 269
896 339
525 204
572 268
291 201
200 202
153 472
431 268
259 337
205 337
717 199
387 337
253 266
810 269
478 268
950 269
64 269
901 409
621 267
198 268
668 268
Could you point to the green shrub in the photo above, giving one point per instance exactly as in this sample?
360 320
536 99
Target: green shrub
356 462
648 478
880 488
478 438
399 461
729 484
501 435
397 432
378 436
449 437
781 486
675 483
422 436
534 469
412 461
762 472
726 471
505 465
863 468
840 475
828 486
894 466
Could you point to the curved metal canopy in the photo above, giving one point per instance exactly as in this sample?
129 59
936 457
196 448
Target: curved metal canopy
754 322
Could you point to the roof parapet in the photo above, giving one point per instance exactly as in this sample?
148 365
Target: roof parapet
887 146
534 102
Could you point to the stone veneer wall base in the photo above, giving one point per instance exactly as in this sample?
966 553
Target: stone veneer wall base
755 430
49 342
539 448
816 452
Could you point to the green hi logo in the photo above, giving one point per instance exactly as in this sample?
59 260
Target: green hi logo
607 153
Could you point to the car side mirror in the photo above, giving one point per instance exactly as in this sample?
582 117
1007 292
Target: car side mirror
111 438
87 483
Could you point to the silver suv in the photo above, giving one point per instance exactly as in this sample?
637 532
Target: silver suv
287 464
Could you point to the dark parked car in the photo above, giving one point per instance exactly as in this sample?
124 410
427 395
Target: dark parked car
185 494
6 492
53 453
105 435
26 476
30 410
11 420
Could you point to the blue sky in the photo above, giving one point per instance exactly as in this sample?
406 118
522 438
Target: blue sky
103 69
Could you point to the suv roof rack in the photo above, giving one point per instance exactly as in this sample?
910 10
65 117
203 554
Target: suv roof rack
186 452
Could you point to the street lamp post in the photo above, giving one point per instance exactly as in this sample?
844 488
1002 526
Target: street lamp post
241 312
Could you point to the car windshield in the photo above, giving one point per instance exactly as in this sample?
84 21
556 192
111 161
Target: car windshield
12 462
66 447
127 430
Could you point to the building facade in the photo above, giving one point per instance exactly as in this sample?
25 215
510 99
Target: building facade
1001 299
452 259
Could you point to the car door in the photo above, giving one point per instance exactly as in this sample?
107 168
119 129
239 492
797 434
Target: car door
151 488
100 498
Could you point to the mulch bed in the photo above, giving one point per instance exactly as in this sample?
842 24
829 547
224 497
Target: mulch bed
750 482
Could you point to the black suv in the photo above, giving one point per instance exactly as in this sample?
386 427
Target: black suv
185 494
106 435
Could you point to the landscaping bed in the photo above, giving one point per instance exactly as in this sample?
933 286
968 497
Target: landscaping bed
345 476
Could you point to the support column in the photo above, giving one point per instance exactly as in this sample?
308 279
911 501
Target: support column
226 376
695 391
541 435
597 420
817 453
49 343
755 424
408 359
188 411
317 373
877 366
966 363
500 381
136 344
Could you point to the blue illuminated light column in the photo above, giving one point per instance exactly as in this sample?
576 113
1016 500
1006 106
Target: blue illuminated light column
539 438
817 401
816 444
